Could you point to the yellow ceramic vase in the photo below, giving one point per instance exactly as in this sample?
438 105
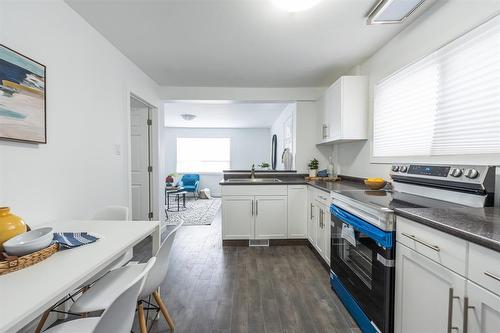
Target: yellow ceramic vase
10 225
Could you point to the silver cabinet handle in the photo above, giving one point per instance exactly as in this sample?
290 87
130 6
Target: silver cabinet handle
256 207
467 307
450 311
424 243
311 214
493 276
252 207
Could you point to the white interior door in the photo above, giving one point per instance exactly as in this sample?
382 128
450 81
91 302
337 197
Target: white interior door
140 162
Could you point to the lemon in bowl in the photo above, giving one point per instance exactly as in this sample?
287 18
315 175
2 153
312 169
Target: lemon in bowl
375 183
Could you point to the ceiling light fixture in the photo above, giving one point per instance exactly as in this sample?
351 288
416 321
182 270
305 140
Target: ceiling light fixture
293 6
188 116
392 11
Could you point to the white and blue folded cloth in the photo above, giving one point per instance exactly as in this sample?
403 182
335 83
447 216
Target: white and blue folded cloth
70 240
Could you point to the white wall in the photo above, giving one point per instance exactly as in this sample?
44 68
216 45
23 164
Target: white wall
277 128
305 133
306 136
88 82
248 146
445 21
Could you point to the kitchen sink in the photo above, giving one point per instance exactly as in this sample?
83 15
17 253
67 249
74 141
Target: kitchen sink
255 180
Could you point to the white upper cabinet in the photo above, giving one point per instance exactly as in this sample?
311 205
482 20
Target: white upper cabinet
343 111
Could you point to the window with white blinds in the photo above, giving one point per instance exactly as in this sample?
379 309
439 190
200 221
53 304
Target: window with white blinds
445 104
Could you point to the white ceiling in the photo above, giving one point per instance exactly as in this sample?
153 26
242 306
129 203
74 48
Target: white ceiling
223 114
238 43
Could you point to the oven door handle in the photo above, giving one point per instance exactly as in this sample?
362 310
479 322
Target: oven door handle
384 238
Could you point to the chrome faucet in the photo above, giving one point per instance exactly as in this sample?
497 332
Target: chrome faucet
252 174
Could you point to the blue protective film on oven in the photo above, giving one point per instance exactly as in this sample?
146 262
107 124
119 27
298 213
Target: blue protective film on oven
350 303
384 238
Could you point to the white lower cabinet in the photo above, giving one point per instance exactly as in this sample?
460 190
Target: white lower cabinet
318 222
240 211
255 212
323 232
429 297
312 221
270 217
297 211
483 310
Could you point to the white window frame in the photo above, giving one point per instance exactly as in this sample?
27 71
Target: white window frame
201 172
476 159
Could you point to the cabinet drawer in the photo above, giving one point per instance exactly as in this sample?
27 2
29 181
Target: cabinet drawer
323 198
445 249
254 190
484 267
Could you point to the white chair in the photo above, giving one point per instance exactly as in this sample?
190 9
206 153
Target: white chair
119 315
99 295
115 213
112 213
108 213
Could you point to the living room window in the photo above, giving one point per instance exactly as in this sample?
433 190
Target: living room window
445 104
203 154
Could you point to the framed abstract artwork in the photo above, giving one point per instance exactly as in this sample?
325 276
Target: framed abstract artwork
22 98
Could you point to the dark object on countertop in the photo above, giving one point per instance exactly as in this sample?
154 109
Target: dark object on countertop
323 173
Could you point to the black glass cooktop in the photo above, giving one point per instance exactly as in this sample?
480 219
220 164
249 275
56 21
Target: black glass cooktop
391 199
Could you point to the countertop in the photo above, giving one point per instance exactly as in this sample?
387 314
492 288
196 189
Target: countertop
477 225
342 185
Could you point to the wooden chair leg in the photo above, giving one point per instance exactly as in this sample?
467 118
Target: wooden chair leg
163 309
42 321
142 319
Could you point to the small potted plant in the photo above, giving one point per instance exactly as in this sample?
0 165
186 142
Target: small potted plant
313 168
264 166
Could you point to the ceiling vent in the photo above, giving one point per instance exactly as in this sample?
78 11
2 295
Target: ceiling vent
392 11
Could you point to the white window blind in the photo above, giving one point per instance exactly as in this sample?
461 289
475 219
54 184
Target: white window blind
445 104
203 154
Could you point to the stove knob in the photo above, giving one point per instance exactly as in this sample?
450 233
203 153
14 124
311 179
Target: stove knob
456 172
395 168
403 168
471 173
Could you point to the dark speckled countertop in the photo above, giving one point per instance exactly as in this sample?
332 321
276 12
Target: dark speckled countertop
478 225
342 185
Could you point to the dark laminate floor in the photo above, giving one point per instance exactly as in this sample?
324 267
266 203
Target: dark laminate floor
210 288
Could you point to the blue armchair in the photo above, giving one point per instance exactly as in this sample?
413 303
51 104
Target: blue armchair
191 183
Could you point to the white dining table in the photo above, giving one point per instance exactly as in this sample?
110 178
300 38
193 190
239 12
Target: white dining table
27 293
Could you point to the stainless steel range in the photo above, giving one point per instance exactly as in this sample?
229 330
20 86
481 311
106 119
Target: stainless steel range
363 237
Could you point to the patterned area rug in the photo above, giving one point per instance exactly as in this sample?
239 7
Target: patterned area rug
198 212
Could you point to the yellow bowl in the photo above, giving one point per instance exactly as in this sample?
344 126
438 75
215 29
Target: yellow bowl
375 183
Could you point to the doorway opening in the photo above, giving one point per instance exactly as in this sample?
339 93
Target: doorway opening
141 159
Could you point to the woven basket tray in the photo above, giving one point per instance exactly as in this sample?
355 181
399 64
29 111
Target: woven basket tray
11 263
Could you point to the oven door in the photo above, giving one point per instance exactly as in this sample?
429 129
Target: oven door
362 257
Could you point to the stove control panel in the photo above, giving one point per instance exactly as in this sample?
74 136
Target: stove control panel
454 173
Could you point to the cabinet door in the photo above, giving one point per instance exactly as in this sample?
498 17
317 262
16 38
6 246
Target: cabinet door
335 110
320 234
270 217
237 217
320 119
427 294
312 221
297 211
327 231
483 314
